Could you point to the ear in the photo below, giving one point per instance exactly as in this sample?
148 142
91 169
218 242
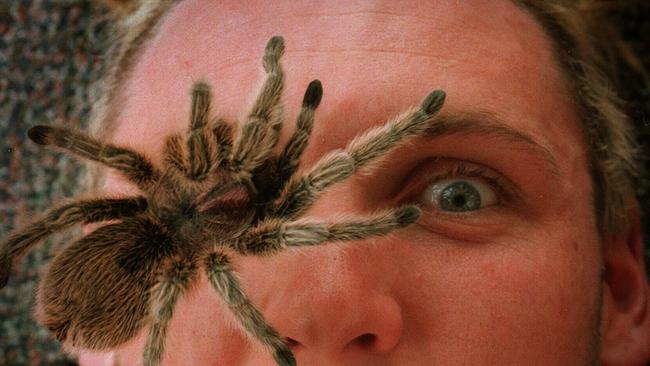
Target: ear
121 7
625 326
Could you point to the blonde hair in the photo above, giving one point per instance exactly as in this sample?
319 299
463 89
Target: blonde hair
588 49
576 28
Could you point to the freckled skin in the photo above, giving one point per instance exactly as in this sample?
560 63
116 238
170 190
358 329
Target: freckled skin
527 293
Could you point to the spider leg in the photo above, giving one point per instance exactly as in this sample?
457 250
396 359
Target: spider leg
61 217
175 279
273 235
288 160
174 154
202 145
301 192
195 154
133 165
259 134
223 133
200 105
221 277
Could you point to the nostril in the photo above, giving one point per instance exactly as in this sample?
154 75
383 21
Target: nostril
365 340
292 343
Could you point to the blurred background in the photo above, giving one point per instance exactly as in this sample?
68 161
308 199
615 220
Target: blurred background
51 52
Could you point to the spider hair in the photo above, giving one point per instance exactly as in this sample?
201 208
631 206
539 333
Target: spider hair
582 42
220 191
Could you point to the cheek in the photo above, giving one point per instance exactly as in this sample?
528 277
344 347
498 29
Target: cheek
201 332
506 303
501 303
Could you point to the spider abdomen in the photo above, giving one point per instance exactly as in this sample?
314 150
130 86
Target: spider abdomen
96 292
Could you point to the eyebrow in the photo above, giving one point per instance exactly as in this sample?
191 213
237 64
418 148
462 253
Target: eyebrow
489 124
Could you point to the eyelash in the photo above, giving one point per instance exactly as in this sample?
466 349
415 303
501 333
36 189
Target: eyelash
430 174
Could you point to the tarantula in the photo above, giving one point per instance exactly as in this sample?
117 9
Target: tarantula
218 192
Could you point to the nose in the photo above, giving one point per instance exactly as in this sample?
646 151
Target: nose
336 306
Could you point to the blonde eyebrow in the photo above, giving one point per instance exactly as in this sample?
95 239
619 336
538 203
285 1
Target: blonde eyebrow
490 125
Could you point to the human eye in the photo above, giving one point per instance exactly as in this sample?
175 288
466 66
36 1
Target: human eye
459 198
459 195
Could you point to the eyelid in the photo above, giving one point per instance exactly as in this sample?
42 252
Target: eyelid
441 168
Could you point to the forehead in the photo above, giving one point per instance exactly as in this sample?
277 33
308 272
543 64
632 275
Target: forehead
374 58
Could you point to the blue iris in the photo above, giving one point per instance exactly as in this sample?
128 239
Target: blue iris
460 197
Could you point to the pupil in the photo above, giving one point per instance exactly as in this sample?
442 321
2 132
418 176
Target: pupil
460 196
459 200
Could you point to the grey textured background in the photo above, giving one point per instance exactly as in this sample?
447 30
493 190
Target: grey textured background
50 52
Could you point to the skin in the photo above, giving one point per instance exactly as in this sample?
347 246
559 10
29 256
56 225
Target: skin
511 283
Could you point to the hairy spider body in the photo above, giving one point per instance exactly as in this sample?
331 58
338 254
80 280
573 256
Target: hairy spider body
218 193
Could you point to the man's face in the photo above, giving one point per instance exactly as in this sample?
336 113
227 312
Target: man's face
514 280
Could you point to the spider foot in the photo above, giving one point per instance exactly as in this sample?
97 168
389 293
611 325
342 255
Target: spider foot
284 357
